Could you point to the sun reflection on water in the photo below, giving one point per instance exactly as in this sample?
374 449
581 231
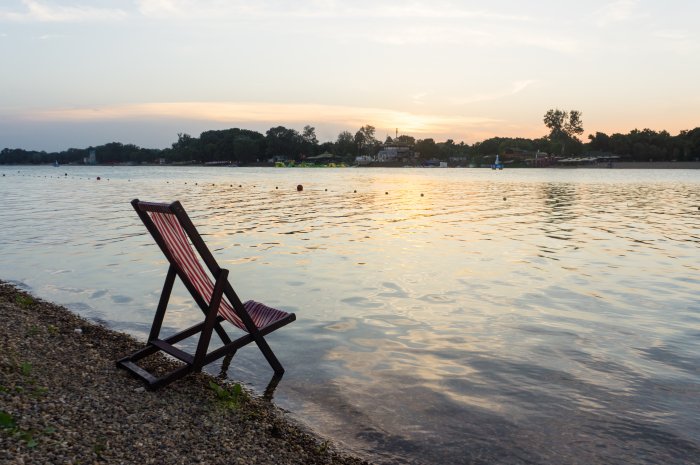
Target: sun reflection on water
443 315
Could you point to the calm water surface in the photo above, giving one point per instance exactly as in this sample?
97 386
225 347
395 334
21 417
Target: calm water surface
444 316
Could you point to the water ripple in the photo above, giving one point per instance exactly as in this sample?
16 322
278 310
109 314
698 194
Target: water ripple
444 316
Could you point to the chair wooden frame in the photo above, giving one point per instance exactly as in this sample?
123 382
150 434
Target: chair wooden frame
222 304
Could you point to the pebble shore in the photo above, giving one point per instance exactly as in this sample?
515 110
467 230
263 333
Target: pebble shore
63 401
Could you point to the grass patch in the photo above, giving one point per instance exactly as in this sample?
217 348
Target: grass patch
322 448
24 301
33 331
9 425
6 421
39 392
99 447
25 368
233 397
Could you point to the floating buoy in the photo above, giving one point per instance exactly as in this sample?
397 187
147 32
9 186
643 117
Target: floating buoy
504 198
421 195
300 188
386 193
354 192
98 178
64 174
325 190
240 185
276 187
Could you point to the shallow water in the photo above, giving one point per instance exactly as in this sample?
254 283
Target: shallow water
444 316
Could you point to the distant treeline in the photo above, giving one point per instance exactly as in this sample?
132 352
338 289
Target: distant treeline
246 147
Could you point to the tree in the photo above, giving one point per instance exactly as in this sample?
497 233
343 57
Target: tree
365 140
247 149
574 126
599 142
555 120
447 149
427 148
563 124
345 145
283 142
564 127
687 145
309 140
327 147
620 144
405 140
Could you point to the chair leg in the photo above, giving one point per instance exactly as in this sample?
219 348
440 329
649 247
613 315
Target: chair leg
271 386
269 355
162 304
211 320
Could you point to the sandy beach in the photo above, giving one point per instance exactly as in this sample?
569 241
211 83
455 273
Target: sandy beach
63 401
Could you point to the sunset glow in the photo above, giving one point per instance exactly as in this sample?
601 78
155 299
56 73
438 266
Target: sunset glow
86 73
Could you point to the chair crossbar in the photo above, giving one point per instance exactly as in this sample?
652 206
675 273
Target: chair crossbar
174 351
138 371
192 262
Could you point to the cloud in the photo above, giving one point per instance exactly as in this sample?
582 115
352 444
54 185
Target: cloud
515 88
272 113
615 12
162 8
419 98
36 11
677 41
220 9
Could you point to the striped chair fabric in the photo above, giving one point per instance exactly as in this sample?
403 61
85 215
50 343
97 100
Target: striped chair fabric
179 246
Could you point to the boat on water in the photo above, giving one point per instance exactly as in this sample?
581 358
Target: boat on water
55 164
497 165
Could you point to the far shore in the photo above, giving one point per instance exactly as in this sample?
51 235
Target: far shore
657 165
638 165
62 400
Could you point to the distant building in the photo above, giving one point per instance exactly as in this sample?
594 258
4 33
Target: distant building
395 153
91 159
389 153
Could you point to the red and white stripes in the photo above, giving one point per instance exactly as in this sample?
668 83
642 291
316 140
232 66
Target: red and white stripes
179 246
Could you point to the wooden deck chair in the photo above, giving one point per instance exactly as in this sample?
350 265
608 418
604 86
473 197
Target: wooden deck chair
183 247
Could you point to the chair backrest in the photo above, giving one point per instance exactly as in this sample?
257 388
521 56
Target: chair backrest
181 243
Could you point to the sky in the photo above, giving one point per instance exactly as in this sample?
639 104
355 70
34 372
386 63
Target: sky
77 73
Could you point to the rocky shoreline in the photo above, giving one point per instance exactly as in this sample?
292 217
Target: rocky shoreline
63 401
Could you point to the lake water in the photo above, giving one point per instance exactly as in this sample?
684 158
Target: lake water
444 316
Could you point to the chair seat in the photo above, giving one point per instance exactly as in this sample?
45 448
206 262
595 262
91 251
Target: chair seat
261 314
